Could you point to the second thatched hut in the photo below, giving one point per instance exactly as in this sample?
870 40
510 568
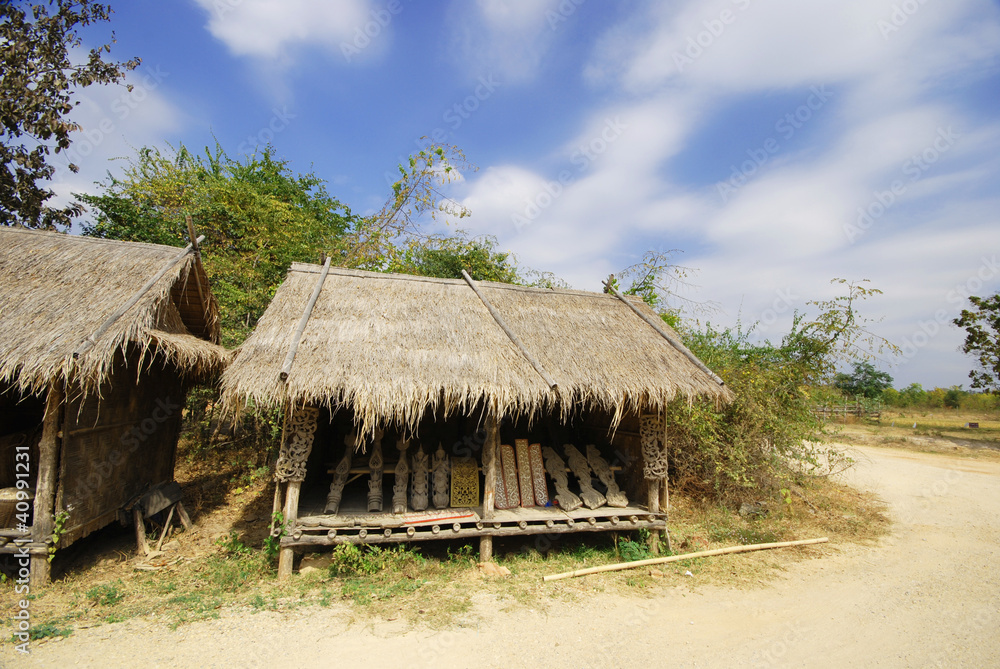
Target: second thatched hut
510 410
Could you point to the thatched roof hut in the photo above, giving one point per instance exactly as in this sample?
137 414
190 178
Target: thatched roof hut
100 341
57 290
355 356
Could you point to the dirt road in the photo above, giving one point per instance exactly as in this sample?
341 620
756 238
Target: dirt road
928 595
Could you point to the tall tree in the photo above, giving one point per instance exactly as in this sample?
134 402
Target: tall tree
38 78
257 216
982 340
865 381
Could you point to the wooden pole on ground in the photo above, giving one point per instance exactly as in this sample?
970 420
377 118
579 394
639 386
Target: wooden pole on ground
689 556
45 485
489 487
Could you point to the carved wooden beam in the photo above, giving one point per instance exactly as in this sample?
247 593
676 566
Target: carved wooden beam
375 464
441 469
418 488
581 470
340 476
557 470
600 466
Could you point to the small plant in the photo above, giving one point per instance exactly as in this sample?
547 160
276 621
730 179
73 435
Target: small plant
273 542
233 545
463 554
48 630
631 551
58 529
105 595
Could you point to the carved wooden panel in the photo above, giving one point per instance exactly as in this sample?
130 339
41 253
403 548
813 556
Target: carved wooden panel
508 464
464 482
402 478
538 475
524 472
654 452
291 464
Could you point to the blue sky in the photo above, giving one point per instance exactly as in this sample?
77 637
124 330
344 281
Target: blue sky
777 143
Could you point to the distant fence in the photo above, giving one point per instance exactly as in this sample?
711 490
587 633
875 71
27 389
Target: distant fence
858 409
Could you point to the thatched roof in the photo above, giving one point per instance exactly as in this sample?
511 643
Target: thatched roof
57 290
392 346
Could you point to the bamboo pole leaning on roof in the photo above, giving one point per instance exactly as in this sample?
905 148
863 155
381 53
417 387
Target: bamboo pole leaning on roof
286 368
89 342
673 342
510 333
687 556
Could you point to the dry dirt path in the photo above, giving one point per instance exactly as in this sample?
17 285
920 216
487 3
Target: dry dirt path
927 595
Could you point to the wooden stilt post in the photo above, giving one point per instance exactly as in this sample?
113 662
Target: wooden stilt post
45 485
489 487
653 491
286 557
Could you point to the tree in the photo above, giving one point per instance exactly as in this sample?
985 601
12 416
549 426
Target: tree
864 381
982 340
38 81
377 242
257 216
446 257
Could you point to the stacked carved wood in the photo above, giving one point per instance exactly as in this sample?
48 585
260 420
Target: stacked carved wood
520 478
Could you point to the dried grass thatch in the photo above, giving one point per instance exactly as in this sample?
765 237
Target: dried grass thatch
56 290
392 346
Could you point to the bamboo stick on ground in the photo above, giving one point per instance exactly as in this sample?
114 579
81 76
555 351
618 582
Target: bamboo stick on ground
687 556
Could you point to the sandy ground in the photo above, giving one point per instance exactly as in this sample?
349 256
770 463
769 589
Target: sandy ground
928 595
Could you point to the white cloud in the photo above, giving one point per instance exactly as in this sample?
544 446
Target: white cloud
271 29
114 122
507 38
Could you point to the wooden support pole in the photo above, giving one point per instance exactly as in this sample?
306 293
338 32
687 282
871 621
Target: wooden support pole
286 368
45 484
185 519
197 262
489 486
653 499
140 531
166 527
688 556
286 557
